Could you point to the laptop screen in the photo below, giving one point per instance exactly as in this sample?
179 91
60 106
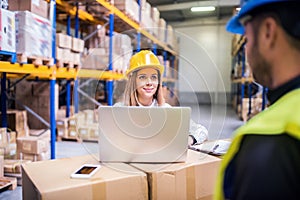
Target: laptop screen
143 134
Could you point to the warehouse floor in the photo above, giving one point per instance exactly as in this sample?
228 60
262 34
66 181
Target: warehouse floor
220 121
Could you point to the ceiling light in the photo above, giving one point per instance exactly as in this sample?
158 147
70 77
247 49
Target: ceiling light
203 9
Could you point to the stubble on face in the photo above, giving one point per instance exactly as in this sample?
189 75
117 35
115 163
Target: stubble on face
261 68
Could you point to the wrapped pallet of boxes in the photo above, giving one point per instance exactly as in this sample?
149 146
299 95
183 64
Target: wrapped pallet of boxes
33 33
8 31
39 7
162 25
193 179
129 7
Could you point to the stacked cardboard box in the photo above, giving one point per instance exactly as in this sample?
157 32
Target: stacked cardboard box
98 58
34 148
68 50
162 25
17 121
155 15
7 148
129 7
12 168
194 179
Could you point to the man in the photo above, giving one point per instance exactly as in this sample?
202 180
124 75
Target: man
263 161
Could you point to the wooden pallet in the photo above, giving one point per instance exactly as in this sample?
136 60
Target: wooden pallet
36 60
66 64
8 183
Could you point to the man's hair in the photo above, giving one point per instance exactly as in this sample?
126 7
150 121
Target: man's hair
287 16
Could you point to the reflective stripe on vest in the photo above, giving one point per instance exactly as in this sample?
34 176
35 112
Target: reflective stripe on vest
282 117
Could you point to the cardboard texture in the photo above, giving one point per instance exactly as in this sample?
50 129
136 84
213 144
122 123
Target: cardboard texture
33 145
8 31
117 181
194 179
14 166
17 121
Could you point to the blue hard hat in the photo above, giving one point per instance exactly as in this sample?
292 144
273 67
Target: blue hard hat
234 25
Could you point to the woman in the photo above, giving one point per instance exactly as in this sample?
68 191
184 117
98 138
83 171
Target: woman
144 88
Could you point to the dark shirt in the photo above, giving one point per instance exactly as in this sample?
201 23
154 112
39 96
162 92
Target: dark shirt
266 166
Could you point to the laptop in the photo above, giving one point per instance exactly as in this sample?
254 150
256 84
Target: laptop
143 134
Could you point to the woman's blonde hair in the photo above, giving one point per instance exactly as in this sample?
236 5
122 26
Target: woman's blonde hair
130 94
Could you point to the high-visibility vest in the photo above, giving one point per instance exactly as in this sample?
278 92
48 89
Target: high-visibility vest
281 117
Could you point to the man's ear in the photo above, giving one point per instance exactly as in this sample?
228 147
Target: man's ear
268 33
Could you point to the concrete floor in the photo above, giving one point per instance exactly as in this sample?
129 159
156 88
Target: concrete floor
220 121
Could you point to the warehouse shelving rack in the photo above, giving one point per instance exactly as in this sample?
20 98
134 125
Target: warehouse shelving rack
52 73
240 84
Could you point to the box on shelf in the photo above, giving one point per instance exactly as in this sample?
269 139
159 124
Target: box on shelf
33 33
63 41
194 179
129 7
77 45
39 7
8 31
36 184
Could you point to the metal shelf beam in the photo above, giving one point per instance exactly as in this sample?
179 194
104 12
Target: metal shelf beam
134 25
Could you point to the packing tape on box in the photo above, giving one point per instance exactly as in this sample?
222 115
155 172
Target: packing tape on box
190 183
99 190
153 187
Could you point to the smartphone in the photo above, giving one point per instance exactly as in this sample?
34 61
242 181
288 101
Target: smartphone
85 171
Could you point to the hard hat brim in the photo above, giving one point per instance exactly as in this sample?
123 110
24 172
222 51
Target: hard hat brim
234 25
159 67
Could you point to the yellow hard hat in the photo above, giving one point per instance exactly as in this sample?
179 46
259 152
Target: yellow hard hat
144 58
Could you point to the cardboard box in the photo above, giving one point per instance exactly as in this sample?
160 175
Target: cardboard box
32 145
194 179
34 157
3 137
116 181
17 121
14 166
8 31
39 7
63 41
77 45
9 151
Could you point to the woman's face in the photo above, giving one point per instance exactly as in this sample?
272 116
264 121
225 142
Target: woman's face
146 82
